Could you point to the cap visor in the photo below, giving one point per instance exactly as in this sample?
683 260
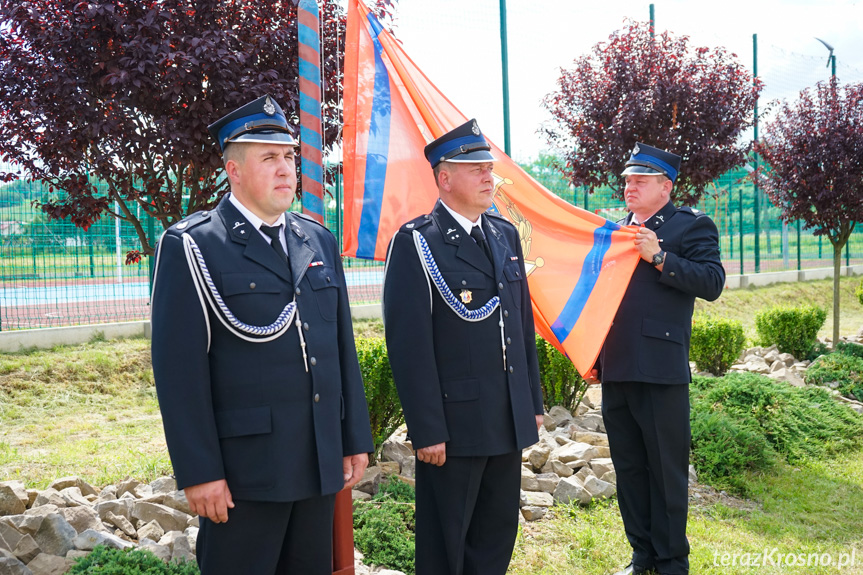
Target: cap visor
274 138
475 157
642 170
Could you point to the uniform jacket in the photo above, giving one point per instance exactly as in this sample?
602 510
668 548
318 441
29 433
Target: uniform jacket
249 412
649 338
450 373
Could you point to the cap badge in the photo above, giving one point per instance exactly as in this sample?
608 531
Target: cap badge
474 128
269 108
466 296
635 150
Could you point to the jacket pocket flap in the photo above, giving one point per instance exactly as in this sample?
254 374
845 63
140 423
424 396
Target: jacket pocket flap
322 277
662 330
237 283
460 390
465 279
512 272
239 422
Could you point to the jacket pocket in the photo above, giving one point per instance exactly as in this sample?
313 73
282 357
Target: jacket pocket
246 440
662 350
326 290
250 283
462 411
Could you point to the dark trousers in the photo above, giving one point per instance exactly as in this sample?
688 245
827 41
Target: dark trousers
649 436
266 538
467 515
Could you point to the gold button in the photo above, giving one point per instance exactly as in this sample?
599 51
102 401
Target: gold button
252 285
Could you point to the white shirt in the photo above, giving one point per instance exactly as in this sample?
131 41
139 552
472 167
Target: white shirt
258 222
463 221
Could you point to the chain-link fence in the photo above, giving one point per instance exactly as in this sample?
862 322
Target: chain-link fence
53 274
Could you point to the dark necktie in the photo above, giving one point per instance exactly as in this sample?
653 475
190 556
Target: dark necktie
275 234
479 237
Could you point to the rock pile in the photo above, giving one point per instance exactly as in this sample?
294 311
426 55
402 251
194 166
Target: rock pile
571 461
42 532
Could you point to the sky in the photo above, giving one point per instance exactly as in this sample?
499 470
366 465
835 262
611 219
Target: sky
457 44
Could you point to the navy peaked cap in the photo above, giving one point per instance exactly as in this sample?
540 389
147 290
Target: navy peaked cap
652 161
464 144
260 121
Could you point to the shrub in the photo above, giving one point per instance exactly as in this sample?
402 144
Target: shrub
793 329
385 413
859 292
716 343
107 561
846 370
848 348
561 383
798 422
725 448
384 527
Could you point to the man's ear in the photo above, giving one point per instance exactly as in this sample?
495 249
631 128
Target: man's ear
232 170
443 180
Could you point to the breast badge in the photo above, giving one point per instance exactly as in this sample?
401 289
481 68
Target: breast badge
466 296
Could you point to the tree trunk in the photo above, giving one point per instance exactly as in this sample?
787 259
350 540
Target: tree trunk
837 265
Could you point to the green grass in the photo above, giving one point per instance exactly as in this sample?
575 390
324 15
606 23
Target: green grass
743 304
814 508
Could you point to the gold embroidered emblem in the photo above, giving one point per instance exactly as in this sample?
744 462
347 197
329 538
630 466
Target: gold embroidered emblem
466 296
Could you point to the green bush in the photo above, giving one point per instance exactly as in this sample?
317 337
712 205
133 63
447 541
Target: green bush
716 343
561 383
859 292
724 449
844 369
793 329
384 527
385 412
107 561
797 422
848 348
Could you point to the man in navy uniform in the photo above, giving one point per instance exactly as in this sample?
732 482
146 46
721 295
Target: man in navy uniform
460 337
254 360
644 362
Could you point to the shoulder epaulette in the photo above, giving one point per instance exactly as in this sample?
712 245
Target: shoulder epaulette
691 211
309 218
192 220
498 216
416 223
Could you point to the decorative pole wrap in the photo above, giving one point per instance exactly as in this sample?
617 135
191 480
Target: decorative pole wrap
311 129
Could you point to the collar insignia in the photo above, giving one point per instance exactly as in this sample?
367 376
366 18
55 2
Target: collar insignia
238 224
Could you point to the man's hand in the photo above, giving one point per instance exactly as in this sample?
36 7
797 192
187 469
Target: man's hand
434 454
647 245
539 421
211 500
592 377
354 466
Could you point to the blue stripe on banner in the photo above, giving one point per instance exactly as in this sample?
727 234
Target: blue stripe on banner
308 36
310 106
586 282
312 170
313 203
310 137
376 154
310 71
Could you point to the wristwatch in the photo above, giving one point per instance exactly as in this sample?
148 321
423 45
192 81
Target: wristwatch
658 258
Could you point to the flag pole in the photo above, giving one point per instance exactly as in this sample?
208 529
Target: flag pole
504 60
311 126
